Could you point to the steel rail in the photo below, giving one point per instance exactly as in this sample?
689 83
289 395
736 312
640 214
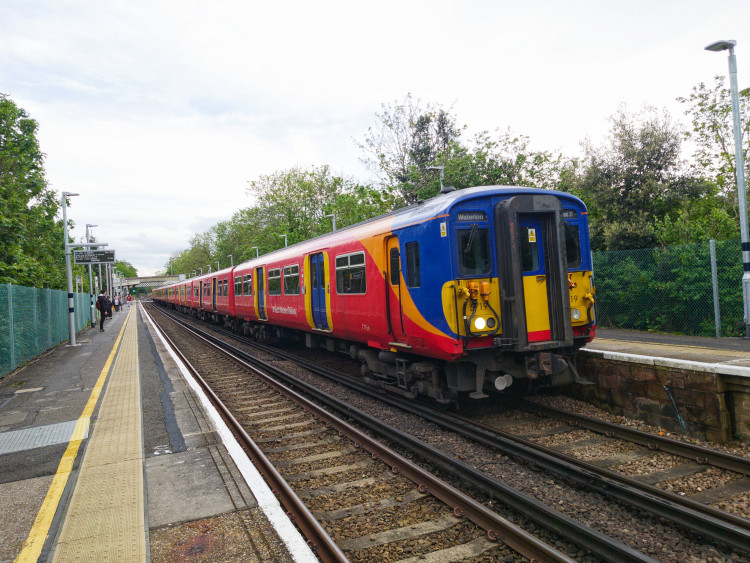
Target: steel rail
320 542
651 441
711 522
597 542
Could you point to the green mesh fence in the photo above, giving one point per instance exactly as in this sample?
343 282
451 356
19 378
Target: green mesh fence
670 289
34 320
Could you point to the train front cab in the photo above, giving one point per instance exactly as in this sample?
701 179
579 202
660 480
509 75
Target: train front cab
522 300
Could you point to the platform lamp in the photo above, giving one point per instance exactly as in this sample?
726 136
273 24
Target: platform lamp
719 46
284 240
91 287
333 217
231 260
256 251
217 266
69 271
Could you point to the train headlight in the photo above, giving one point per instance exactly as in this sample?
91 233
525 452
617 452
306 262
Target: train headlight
480 323
575 313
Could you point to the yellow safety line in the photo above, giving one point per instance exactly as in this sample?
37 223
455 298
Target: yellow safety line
32 547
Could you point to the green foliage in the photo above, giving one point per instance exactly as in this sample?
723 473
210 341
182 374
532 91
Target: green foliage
32 251
710 110
636 180
126 269
292 202
633 287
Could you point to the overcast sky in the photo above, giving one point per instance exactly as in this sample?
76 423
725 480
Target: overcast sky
158 113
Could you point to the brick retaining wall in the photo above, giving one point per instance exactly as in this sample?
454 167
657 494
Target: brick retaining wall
713 405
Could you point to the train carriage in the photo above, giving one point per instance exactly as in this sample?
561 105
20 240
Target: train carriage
468 292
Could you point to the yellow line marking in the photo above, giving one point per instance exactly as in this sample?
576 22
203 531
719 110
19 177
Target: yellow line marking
32 547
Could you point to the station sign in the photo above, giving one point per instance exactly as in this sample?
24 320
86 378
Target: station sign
94 256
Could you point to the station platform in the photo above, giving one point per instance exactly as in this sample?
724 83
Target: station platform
108 453
729 356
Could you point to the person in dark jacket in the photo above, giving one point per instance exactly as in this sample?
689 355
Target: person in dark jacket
101 306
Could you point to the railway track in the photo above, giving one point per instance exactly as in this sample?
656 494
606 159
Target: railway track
718 526
362 501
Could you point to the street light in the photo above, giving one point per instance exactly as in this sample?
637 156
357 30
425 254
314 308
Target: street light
284 240
256 250
217 266
69 271
231 260
740 170
91 287
333 216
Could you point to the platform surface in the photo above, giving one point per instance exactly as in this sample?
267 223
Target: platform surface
107 454
725 354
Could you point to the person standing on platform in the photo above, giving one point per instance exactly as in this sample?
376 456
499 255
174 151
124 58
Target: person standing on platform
101 306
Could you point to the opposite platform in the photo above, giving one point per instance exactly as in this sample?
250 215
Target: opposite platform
154 483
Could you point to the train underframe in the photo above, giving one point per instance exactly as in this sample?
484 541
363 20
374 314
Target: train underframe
480 374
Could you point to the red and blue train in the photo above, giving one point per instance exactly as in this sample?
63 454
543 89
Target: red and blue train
480 290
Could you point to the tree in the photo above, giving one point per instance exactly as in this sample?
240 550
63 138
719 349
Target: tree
291 202
406 142
504 159
635 180
126 269
710 110
32 249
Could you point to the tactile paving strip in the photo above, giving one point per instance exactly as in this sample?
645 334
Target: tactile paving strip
105 519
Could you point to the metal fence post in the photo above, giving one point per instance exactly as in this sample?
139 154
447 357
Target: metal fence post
48 321
10 328
715 285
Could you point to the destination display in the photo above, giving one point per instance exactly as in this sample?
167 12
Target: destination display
94 256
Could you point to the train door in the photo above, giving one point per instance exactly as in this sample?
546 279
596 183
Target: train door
532 271
319 289
200 295
213 293
261 293
394 289
534 256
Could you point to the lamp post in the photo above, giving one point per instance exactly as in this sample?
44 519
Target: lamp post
91 287
333 217
69 271
217 266
739 165
256 250
284 240
231 260
171 272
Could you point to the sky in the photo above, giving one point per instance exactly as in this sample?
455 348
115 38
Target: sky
158 113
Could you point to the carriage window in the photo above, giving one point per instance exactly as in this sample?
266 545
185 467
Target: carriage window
351 274
248 284
395 266
238 285
474 251
291 280
274 282
530 249
226 288
412 264
572 246
314 274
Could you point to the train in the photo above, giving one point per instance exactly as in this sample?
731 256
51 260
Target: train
472 293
